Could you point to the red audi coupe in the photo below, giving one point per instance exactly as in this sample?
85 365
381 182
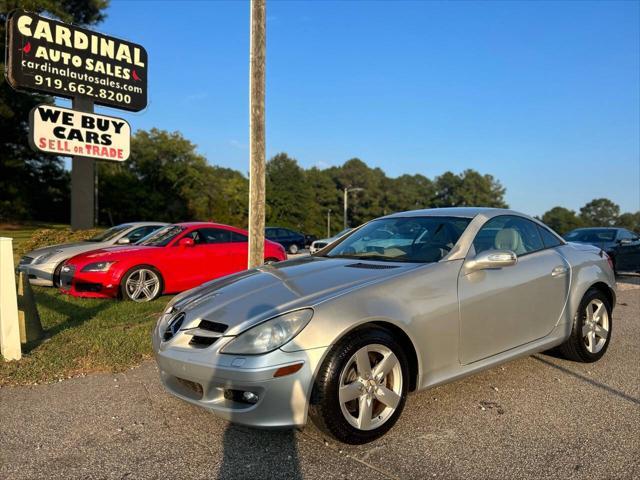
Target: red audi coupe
173 259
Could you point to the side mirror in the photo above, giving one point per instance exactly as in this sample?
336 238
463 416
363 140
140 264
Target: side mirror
491 259
625 241
186 242
123 241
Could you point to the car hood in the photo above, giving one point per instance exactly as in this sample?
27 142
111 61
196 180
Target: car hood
65 250
245 299
113 253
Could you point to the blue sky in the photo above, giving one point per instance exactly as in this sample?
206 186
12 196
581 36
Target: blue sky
543 95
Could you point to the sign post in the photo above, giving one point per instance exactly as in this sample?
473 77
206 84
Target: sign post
52 57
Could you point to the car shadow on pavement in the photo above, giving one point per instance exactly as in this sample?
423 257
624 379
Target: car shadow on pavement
588 380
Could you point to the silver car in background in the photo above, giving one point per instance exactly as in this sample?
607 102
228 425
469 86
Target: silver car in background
344 335
318 245
42 266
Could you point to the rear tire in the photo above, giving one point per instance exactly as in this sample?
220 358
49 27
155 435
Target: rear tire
591 329
361 387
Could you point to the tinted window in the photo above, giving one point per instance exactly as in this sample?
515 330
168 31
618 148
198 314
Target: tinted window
140 233
214 235
238 237
508 233
403 239
271 233
592 235
283 233
626 235
109 234
548 239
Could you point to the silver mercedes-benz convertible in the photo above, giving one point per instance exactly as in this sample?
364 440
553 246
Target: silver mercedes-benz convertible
403 303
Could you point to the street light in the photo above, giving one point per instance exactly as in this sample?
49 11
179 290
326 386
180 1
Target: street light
329 224
346 200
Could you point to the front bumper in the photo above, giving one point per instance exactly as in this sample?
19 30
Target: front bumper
40 274
88 284
207 378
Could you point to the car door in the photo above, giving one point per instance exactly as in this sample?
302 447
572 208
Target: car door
627 251
221 257
184 264
504 308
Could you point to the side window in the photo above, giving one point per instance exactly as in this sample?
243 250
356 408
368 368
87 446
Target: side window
626 235
215 235
238 237
508 232
197 237
139 233
270 233
283 233
548 238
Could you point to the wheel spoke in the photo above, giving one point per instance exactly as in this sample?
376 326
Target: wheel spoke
147 292
142 276
350 392
383 368
598 312
585 330
387 396
601 331
363 363
589 313
365 412
591 341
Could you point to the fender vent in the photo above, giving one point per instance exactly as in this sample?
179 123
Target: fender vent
371 266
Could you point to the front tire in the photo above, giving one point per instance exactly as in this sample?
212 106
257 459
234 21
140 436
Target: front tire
293 249
361 387
591 330
141 284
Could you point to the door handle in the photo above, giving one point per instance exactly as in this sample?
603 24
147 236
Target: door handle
559 271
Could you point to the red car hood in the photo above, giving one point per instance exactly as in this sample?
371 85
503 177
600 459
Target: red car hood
111 254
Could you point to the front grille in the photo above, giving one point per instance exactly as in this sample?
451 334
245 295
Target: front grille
213 326
371 266
174 325
66 275
88 287
192 386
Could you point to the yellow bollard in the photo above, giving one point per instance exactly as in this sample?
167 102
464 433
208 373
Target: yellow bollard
28 318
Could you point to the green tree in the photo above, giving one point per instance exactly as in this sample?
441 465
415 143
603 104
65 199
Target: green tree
468 188
630 221
34 185
289 197
561 219
600 212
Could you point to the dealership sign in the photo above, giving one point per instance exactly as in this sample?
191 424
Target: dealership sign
60 59
69 133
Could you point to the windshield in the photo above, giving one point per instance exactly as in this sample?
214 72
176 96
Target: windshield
109 234
402 239
342 232
162 237
589 236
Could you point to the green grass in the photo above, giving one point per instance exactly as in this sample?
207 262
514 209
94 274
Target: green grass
83 336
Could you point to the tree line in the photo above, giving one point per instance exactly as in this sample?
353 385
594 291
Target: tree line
166 179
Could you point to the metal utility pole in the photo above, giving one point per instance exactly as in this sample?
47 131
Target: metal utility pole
83 180
329 224
257 64
346 200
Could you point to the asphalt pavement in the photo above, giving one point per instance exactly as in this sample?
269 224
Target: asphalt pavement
537 417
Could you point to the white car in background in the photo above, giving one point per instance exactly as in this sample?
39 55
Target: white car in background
42 266
323 242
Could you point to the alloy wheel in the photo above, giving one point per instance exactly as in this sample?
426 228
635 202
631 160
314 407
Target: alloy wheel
595 328
370 387
143 285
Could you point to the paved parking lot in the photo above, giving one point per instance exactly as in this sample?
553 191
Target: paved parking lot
538 417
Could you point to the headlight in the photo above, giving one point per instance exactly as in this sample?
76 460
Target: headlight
269 335
97 267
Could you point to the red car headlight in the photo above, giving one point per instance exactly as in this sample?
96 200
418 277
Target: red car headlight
97 267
